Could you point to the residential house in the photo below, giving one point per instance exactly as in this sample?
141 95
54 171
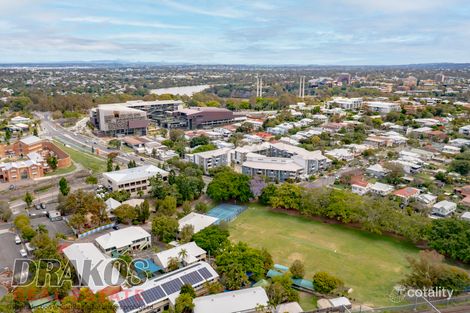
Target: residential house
377 171
407 193
381 189
444 208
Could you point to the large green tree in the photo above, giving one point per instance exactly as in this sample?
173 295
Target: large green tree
212 239
450 237
165 228
228 185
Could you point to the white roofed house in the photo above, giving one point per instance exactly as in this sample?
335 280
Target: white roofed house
377 170
198 221
124 240
94 269
186 254
444 208
381 189
427 199
244 300
340 154
133 179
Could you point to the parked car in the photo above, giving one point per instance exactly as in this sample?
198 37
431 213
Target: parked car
43 206
37 207
23 253
116 227
12 187
17 239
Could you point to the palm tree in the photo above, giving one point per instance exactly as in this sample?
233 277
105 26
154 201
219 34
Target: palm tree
183 254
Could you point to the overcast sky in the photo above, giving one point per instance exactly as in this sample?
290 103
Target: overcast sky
239 31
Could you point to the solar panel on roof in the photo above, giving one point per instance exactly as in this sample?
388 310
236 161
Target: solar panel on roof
205 273
172 286
192 278
153 294
131 303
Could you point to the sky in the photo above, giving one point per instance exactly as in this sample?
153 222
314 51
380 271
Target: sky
326 32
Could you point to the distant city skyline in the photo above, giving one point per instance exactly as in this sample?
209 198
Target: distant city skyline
335 32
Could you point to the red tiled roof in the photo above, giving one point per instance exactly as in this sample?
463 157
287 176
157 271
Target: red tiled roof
361 183
406 192
466 201
264 135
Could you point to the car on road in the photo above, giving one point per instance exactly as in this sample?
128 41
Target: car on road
32 214
37 207
12 187
116 227
43 206
142 159
17 240
23 253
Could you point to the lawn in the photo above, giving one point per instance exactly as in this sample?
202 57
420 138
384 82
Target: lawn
89 161
61 171
369 264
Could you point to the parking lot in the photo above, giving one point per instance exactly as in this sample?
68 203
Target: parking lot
52 227
10 250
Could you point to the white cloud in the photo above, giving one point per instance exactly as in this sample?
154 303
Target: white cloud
121 22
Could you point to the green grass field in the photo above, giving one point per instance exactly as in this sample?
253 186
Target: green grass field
87 160
369 264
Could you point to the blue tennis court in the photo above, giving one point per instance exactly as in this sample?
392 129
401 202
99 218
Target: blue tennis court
226 212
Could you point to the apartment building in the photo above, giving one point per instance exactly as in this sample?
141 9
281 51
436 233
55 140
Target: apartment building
124 240
119 120
345 103
382 108
133 179
210 159
276 169
311 161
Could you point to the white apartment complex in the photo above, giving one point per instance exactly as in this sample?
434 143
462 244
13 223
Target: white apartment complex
382 107
278 161
210 159
346 103
133 179
124 240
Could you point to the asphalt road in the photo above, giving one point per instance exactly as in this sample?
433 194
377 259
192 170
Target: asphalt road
81 142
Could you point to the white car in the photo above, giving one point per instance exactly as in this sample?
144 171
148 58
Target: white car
17 239
23 253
